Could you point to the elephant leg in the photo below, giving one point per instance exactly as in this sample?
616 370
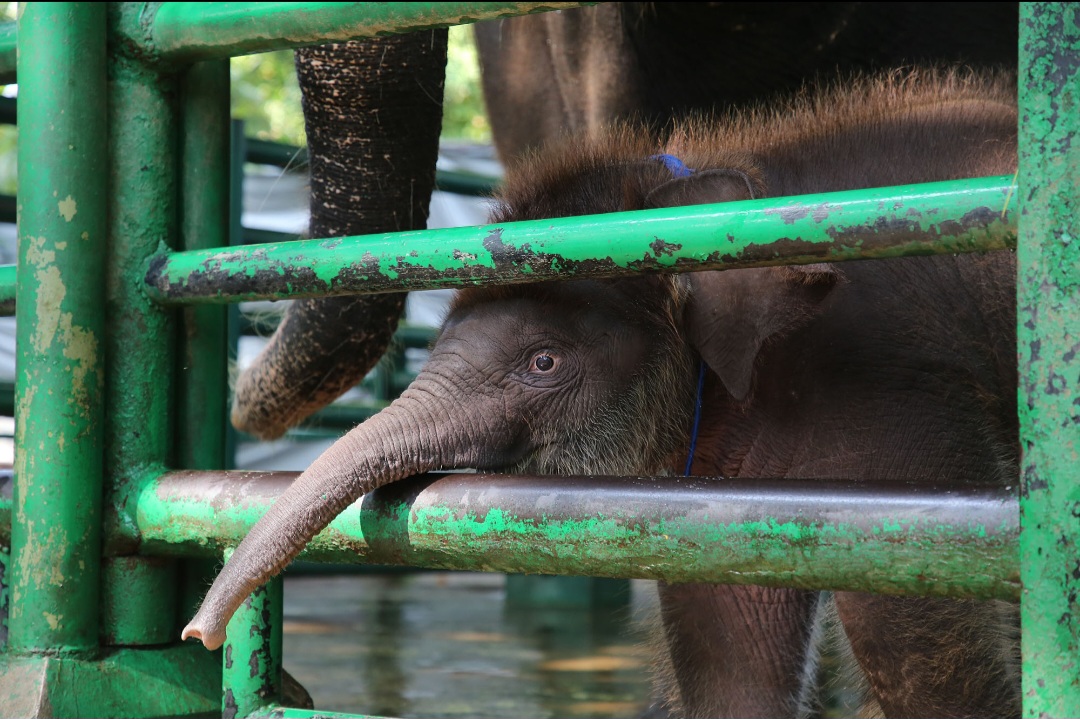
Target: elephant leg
739 651
373 111
926 657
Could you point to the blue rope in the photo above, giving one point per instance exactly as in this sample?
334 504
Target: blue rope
678 168
697 419
674 165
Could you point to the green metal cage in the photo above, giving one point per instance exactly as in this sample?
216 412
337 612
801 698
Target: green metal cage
109 518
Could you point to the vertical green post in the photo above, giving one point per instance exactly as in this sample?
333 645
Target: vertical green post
143 199
251 666
202 396
56 535
237 157
204 388
251 674
1048 338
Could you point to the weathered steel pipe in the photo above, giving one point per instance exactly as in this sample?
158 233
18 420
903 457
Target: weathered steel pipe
935 218
864 536
251 670
8 56
192 31
61 320
1048 343
7 290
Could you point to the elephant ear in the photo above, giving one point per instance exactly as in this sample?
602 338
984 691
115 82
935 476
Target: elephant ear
732 314
704 188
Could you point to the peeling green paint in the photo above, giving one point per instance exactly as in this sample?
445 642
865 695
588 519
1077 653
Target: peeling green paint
68 208
251 669
190 31
1048 343
941 217
57 495
655 530
122 683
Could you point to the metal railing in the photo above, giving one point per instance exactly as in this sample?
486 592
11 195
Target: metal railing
126 454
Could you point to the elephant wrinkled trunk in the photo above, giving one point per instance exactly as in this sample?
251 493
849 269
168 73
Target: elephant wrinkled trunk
368 457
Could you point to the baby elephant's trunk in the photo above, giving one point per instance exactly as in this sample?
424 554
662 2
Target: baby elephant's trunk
368 457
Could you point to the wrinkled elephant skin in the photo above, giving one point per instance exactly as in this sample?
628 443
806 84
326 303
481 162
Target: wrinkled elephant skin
898 370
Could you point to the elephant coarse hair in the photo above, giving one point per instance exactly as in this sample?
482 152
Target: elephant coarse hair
898 370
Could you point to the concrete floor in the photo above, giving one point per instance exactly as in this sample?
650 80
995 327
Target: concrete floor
445 644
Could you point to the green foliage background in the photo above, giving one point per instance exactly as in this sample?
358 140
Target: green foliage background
266 96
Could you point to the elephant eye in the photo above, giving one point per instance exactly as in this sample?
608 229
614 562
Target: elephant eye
543 362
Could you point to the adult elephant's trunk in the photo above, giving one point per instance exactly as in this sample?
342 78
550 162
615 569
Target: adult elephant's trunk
396 443
373 111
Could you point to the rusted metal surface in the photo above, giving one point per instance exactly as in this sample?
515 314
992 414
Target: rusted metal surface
886 537
192 31
251 669
934 218
1048 338
61 321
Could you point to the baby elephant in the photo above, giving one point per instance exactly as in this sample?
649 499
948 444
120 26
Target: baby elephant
897 369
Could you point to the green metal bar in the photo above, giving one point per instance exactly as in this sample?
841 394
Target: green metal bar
265 152
294 158
254 236
9 110
8 54
237 153
1048 338
58 465
859 536
940 217
191 31
203 379
252 662
465 183
138 601
202 371
143 204
272 712
5 590
7 290
7 486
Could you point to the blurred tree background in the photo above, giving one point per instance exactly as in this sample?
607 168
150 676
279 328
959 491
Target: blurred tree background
265 94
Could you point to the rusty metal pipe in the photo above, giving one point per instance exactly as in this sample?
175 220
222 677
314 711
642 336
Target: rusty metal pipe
892 537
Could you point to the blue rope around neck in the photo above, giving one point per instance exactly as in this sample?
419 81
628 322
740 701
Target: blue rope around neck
674 165
697 419
678 168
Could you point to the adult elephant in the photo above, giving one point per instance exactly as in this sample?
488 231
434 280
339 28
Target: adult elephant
373 113
373 123
579 70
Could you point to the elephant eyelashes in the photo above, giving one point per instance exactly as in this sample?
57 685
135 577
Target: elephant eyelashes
543 363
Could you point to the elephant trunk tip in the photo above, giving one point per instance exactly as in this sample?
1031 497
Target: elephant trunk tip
256 424
211 638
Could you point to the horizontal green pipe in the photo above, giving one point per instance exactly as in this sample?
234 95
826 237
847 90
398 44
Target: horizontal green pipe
465 183
193 31
940 217
276 712
266 152
862 536
258 236
7 290
291 157
8 55
9 110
